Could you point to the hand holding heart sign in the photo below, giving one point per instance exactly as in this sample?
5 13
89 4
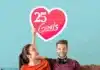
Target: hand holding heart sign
33 36
48 24
33 30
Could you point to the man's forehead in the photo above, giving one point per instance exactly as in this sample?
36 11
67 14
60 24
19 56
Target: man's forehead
61 46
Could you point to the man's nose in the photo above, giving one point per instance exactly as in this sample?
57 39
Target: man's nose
61 50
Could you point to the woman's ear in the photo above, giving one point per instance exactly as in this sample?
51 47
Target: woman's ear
28 56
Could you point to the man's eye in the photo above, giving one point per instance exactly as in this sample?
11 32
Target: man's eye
58 48
63 49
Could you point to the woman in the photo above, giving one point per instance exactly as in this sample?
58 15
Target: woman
28 58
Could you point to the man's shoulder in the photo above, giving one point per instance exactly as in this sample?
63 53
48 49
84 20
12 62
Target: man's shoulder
50 59
73 61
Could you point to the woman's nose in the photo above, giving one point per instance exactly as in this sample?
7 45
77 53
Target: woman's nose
37 53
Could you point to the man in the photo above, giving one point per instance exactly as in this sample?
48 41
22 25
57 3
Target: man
63 62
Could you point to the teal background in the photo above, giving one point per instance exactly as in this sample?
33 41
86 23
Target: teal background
82 32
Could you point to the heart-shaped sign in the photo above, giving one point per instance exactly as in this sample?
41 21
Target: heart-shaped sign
48 23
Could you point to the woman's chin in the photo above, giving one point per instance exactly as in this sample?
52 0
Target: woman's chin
39 57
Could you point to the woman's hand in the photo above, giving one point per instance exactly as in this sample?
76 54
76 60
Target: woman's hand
33 36
33 31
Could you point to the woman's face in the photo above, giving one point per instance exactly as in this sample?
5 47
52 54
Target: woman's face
33 52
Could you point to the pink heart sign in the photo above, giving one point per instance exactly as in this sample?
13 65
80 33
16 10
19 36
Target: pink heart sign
48 23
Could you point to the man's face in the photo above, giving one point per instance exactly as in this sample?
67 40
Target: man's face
62 50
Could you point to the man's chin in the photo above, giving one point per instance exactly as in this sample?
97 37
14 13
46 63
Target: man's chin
63 56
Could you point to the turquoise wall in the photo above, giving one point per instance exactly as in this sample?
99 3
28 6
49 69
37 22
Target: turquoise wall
82 32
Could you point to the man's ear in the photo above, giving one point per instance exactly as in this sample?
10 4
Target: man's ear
67 49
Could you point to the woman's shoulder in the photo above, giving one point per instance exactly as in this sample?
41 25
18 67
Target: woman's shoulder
44 60
23 67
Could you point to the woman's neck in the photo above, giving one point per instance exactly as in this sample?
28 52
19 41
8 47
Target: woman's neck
33 62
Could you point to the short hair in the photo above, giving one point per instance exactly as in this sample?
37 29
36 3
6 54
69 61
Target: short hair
62 42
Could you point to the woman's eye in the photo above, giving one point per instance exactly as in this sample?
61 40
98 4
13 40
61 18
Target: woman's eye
34 49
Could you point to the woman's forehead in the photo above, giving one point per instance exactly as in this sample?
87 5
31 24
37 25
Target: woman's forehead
32 47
